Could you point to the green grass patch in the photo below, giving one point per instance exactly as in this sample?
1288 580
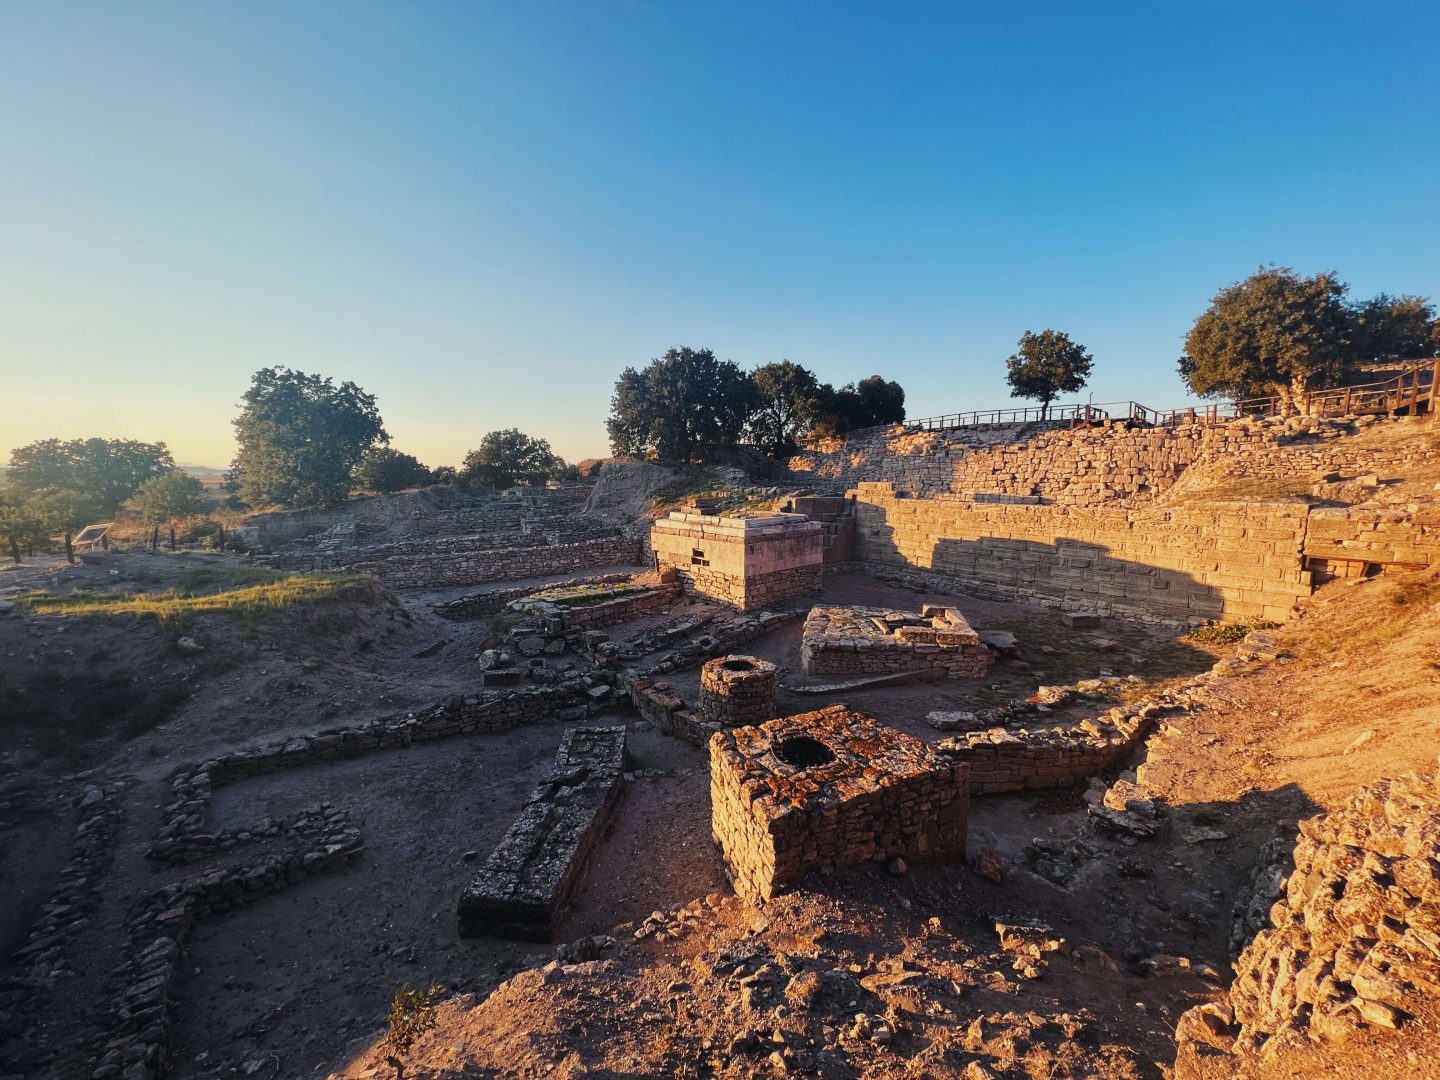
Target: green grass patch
250 604
1226 633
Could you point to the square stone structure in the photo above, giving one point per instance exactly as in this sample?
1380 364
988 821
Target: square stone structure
746 562
875 641
828 789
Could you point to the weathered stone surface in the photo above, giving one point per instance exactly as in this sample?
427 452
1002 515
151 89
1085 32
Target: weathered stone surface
737 690
749 563
864 640
526 882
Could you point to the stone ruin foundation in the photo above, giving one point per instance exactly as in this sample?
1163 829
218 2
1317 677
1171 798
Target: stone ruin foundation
736 691
749 563
866 641
527 881
829 789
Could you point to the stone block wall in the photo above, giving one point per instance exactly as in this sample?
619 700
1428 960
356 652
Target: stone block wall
999 760
1180 564
748 563
526 883
484 605
1352 542
825 790
437 563
846 641
1354 945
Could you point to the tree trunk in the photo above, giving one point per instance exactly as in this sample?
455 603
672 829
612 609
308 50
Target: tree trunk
154 539
105 541
172 537
15 549
220 538
70 547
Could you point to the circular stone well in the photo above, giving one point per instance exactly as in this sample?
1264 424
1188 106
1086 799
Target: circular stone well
738 691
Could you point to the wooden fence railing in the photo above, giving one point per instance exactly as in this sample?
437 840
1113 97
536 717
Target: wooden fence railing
1415 390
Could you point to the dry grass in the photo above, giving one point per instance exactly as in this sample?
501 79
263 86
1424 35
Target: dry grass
1390 607
204 592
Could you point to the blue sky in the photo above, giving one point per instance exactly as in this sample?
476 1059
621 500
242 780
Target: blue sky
482 213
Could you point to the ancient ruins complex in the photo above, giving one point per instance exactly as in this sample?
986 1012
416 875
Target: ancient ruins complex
894 653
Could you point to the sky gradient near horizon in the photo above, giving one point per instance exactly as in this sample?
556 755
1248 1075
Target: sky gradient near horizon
483 212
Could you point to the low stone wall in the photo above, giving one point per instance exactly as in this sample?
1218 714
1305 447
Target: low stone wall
525 884
825 790
999 760
620 609
1354 945
848 641
737 690
487 604
657 705
183 836
1355 542
443 562
135 1046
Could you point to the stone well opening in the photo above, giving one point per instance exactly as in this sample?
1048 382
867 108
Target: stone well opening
804 752
738 664
738 690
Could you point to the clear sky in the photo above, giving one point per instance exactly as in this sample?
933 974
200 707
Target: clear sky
483 212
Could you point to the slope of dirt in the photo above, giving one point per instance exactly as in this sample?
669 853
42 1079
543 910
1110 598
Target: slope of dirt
868 973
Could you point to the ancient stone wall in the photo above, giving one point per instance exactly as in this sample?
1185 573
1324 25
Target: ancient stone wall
525 884
484 605
999 760
737 690
1354 945
1354 542
829 789
1093 466
748 563
857 641
1181 564
445 562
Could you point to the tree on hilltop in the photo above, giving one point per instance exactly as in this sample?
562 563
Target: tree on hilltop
385 470
66 512
509 457
1047 365
101 473
20 522
301 437
167 499
1392 328
681 407
787 400
867 403
1273 333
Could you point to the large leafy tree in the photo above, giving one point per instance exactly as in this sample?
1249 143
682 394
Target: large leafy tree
300 437
167 499
387 471
1276 332
508 457
1391 328
1047 365
787 398
102 473
681 407
867 403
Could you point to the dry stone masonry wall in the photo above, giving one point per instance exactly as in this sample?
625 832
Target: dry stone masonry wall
1354 945
748 563
872 641
829 789
737 690
527 881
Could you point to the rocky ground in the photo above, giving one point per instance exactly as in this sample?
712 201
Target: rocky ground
1076 963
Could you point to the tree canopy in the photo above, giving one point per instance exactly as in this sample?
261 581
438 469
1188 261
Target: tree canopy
385 470
20 522
300 438
1391 328
681 407
867 403
170 497
1273 333
509 457
788 398
101 473
1047 365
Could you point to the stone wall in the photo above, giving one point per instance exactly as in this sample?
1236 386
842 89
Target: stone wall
485 604
446 562
1181 564
737 690
1094 466
1356 542
999 760
1354 945
850 641
825 790
748 563
525 884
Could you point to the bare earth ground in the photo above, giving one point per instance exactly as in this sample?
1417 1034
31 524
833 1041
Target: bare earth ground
298 984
